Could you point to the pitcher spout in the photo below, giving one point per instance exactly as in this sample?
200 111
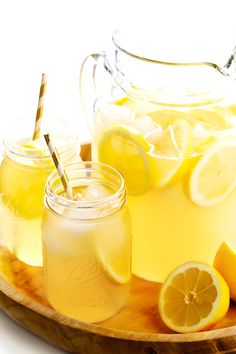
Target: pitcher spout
229 69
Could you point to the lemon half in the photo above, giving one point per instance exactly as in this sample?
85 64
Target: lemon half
193 298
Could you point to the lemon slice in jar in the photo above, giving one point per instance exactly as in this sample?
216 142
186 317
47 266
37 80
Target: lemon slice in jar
124 148
193 298
113 253
39 154
214 176
114 261
172 148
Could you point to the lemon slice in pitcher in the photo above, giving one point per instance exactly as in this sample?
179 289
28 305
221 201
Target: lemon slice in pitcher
193 298
172 148
215 117
126 149
214 176
166 117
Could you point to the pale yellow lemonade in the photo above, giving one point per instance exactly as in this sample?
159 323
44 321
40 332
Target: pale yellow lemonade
87 245
24 170
180 171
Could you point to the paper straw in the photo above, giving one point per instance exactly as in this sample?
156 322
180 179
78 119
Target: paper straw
39 114
60 169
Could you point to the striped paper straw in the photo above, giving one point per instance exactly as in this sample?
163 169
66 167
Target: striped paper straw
40 107
60 169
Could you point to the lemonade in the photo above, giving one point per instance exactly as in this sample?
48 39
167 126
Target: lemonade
23 174
179 167
87 243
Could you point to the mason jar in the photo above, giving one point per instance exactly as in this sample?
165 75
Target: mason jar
87 243
24 169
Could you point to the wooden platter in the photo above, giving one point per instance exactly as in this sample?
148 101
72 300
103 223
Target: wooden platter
137 328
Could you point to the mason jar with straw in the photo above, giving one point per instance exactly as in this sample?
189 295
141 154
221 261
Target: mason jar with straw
86 235
25 167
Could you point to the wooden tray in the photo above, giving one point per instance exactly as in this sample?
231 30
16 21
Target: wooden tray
137 328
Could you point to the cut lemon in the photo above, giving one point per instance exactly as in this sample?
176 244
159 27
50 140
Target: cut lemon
126 149
225 263
193 298
172 148
165 117
214 176
217 117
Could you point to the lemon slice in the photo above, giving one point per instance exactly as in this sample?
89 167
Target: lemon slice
193 298
214 176
126 149
40 156
140 107
225 263
115 267
34 149
172 148
215 117
166 117
113 253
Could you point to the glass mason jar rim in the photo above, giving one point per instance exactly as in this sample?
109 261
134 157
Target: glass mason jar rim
21 131
35 153
87 167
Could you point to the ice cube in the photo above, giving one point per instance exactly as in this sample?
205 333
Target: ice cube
114 114
96 191
78 197
153 136
144 124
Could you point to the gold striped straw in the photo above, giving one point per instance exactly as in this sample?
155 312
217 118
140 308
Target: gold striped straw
39 113
60 169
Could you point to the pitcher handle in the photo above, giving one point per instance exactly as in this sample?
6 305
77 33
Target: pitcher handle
88 87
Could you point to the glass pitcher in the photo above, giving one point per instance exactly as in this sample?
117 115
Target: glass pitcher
169 128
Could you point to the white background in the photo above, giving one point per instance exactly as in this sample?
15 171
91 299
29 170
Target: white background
53 36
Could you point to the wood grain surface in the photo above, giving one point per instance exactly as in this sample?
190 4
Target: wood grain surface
137 328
